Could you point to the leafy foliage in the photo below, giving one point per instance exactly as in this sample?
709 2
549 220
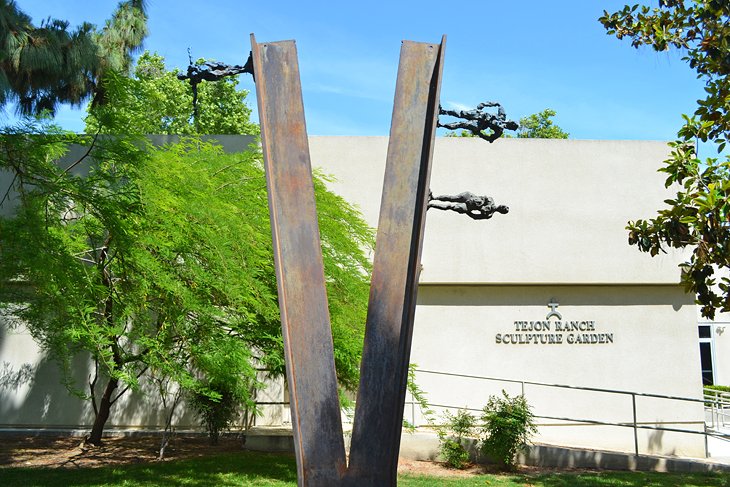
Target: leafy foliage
540 126
457 428
228 385
507 427
42 66
697 217
154 101
159 260
419 397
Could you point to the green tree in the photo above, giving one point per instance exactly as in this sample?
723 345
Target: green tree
536 126
43 66
540 126
697 217
154 101
159 261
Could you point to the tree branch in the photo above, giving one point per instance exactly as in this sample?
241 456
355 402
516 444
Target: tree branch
7 193
92 387
91 147
127 387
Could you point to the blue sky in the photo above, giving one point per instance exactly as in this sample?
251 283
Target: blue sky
528 55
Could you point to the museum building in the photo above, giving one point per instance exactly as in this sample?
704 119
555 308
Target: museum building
548 300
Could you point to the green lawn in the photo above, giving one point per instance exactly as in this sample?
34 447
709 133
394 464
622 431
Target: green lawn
260 469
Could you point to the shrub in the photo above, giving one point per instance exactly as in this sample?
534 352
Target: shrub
217 409
457 427
507 427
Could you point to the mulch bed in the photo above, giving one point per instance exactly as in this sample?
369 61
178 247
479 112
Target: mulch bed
70 451
46 451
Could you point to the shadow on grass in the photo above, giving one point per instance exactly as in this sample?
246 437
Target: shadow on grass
244 468
279 470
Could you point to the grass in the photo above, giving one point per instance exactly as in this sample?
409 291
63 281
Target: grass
598 479
262 469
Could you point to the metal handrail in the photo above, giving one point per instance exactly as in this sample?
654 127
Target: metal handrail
720 398
633 424
564 386
719 407
602 423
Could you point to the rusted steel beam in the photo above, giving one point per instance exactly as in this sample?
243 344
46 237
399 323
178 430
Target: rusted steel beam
310 365
389 328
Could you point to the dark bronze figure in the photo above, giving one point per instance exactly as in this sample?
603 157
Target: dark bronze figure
470 204
479 121
211 71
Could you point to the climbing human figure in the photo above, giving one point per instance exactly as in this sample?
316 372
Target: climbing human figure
478 121
474 206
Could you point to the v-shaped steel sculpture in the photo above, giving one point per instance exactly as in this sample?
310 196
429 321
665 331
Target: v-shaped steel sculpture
310 366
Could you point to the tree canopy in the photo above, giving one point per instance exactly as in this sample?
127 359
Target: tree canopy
155 101
44 65
698 216
540 126
159 260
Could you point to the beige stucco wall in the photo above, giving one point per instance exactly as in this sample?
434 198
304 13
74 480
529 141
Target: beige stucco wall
569 203
563 240
32 395
456 330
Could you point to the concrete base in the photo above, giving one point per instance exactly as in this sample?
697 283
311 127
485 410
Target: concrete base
269 438
562 457
424 446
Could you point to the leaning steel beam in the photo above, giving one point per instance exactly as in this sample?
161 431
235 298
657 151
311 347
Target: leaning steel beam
310 366
389 328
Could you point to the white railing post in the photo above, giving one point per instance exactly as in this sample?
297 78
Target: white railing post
636 430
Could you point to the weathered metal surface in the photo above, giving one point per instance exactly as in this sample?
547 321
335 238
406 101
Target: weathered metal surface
389 328
310 366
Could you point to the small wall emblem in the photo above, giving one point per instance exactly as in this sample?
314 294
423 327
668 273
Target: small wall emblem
553 305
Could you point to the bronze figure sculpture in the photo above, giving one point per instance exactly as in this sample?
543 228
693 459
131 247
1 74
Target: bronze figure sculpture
479 121
211 71
474 206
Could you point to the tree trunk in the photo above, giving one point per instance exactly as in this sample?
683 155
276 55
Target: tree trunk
103 414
